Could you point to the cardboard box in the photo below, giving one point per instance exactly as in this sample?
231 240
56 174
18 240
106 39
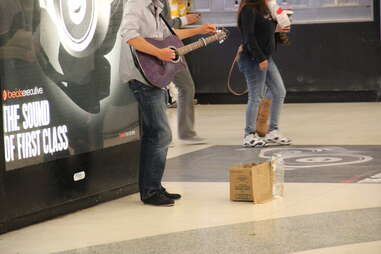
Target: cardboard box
241 183
252 183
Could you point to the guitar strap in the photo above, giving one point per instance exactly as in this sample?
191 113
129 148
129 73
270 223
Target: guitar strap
167 24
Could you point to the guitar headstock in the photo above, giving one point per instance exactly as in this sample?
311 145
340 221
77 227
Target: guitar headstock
222 34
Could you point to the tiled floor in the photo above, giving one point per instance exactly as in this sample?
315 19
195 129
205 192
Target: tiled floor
315 216
304 164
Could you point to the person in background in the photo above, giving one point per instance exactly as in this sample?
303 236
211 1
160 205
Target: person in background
142 19
177 13
258 34
179 8
184 84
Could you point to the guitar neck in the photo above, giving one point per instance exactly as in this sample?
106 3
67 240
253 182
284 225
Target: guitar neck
203 42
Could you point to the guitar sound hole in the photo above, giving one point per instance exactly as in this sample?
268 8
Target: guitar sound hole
177 59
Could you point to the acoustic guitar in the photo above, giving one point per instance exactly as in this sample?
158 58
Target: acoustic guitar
159 73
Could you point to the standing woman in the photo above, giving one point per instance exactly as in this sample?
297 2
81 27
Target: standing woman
258 34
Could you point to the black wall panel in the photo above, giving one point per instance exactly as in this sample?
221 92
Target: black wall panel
38 193
339 59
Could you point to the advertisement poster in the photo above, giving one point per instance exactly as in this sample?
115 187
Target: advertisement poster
59 76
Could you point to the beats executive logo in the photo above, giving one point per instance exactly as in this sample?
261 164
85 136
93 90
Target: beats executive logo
7 95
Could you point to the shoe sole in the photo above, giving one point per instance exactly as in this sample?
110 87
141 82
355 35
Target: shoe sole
174 199
165 205
256 146
270 142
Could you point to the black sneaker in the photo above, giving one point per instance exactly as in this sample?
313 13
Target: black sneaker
172 196
159 199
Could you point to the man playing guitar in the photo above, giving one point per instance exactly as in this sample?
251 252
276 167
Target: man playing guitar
142 19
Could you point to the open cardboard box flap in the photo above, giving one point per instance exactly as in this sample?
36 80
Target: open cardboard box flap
262 182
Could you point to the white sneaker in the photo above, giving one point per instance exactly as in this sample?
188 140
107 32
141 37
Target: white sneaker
196 140
253 140
278 138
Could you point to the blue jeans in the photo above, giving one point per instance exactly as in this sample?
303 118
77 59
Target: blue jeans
155 139
258 82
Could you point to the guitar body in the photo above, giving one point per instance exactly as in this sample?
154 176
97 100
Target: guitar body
161 74
155 71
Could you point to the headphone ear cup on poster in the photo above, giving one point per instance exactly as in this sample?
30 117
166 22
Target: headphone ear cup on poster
84 25
94 83
75 24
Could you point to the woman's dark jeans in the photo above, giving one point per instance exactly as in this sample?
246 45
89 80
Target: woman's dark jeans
257 82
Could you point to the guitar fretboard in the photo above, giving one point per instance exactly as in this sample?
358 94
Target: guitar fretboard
203 42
